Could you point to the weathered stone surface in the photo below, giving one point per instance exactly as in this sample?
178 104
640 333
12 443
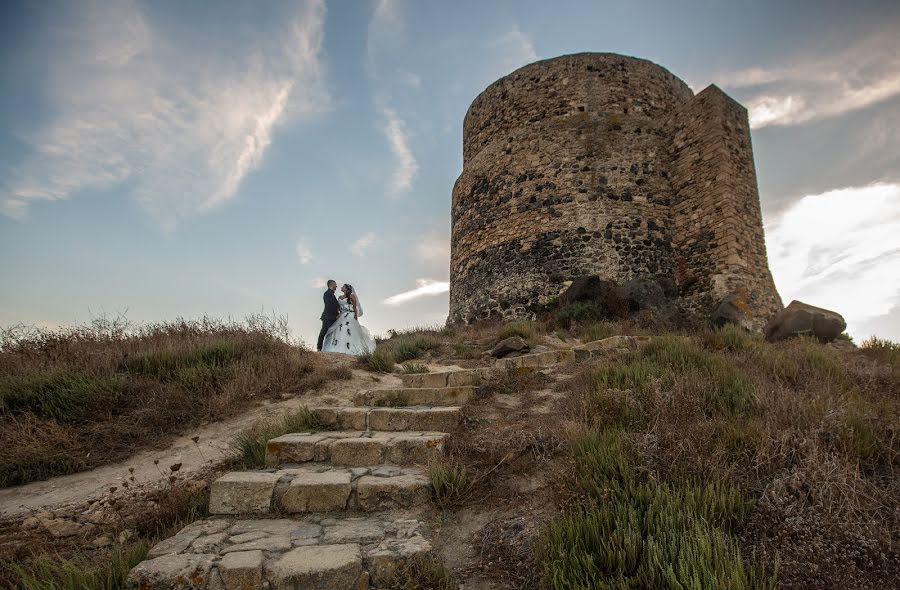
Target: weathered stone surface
386 559
357 451
416 396
60 527
425 380
345 418
401 491
242 570
280 542
472 377
416 449
323 567
541 359
187 571
510 345
242 493
802 319
208 543
605 165
352 530
395 419
317 492
176 544
292 448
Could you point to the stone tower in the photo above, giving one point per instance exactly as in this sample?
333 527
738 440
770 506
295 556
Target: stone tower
602 164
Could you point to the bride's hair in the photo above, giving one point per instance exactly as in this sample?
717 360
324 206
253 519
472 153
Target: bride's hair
349 288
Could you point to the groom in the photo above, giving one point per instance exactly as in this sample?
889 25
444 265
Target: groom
332 310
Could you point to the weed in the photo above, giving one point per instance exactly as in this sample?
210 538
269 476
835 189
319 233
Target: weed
523 328
414 368
394 399
55 572
882 349
450 484
381 360
425 572
249 446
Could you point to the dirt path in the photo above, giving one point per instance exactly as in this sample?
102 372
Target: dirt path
212 447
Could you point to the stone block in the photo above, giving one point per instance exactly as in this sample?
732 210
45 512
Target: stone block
242 493
473 377
425 380
416 449
424 419
317 492
384 493
385 559
175 544
187 571
321 567
292 448
242 570
357 452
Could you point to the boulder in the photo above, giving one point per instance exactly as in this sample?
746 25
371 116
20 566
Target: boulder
733 309
646 293
509 346
802 319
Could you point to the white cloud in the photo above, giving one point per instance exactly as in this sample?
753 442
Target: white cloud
318 283
405 163
516 50
304 254
840 250
434 248
426 288
182 122
858 76
359 247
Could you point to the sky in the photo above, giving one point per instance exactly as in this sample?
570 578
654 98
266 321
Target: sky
178 159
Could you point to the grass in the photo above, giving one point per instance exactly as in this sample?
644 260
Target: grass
69 566
381 360
76 398
669 362
885 350
635 532
450 483
523 328
249 446
425 572
398 399
414 368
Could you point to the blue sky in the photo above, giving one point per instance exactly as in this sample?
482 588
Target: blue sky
164 159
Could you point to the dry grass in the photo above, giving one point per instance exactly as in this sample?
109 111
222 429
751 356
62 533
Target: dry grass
74 399
806 431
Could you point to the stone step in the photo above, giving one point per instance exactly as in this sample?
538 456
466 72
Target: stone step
313 553
415 396
537 360
611 345
390 419
467 377
319 488
356 448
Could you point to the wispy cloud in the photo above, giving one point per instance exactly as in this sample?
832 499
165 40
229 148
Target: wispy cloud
405 166
318 283
434 248
359 247
182 124
515 48
824 86
840 250
426 288
304 254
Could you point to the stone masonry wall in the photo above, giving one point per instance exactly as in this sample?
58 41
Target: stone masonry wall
568 170
718 242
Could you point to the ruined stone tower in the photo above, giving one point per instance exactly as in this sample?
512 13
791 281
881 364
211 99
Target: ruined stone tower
598 163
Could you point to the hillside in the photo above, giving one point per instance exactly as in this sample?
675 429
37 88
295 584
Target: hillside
647 459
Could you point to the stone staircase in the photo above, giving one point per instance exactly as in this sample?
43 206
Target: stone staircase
335 509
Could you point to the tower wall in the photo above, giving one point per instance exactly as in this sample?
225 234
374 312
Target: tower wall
568 170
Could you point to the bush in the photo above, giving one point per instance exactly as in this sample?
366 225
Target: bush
635 533
414 369
579 311
55 572
425 572
412 345
77 398
394 399
450 484
249 446
381 360
523 328
882 349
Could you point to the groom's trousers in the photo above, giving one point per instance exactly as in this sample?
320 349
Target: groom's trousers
325 325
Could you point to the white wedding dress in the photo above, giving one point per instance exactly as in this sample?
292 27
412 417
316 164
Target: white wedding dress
347 335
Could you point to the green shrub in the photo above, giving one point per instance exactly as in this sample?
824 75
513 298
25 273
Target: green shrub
166 364
54 572
249 446
414 368
737 338
63 396
880 348
523 328
579 311
594 331
644 533
394 399
381 360
424 572
450 484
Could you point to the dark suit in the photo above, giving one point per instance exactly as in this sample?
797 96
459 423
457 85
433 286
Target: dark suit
329 316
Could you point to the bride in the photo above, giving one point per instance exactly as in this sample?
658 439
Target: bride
347 335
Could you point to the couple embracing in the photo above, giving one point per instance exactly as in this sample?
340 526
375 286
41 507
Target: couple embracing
341 330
